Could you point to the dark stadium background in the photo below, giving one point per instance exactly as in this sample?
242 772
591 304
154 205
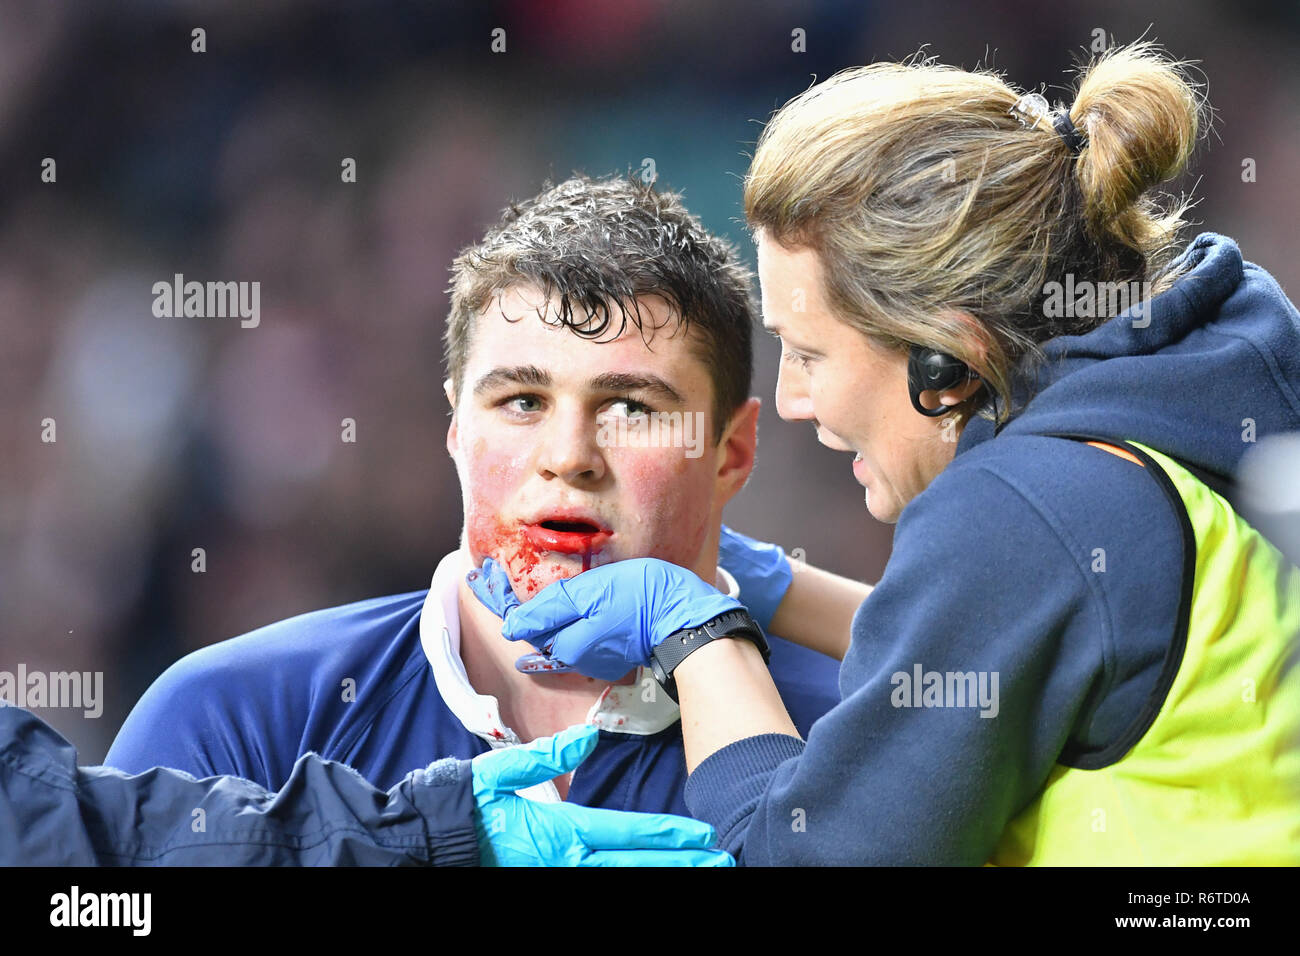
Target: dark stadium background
174 434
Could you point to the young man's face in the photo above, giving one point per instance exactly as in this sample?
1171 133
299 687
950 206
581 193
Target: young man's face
562 464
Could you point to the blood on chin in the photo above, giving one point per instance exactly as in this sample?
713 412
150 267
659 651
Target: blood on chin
528 579
529 566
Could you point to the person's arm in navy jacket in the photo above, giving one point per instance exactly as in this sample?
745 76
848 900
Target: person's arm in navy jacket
54 813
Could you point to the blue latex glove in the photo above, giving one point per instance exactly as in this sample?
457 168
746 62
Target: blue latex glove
516 831
493 589
762 570
605 621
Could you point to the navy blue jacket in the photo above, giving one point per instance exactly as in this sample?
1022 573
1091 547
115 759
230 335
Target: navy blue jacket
994 570
54 813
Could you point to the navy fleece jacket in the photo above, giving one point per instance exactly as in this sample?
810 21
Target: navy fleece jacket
993 570
55 813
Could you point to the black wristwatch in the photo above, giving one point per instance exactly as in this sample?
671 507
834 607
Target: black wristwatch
681 644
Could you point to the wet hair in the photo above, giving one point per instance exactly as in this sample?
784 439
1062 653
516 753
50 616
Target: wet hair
925 197
593 247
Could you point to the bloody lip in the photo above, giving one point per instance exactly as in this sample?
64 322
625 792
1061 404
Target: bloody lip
565 542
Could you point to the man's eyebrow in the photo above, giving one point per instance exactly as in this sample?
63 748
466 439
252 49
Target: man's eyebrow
635 381
533 377
529 375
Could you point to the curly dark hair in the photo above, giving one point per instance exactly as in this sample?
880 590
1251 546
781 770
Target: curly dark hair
592 246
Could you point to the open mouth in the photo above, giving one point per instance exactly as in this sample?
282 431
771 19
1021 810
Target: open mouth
576 527
567 535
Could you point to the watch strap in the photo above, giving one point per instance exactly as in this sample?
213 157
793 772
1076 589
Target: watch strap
679 645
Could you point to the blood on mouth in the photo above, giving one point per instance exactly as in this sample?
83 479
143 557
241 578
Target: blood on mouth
529 553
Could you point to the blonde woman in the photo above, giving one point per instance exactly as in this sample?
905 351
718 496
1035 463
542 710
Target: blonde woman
1079 651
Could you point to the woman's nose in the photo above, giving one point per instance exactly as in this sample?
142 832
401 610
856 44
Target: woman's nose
793 402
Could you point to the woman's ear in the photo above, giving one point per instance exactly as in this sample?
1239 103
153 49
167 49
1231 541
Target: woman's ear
959 393
976 337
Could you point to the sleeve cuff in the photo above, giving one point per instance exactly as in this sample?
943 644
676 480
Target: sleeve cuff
443 795
724 789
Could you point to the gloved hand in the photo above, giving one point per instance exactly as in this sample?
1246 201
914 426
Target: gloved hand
516 831
497 594
604 621
762 570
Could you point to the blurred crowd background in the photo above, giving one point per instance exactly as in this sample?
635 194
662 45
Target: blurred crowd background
176 434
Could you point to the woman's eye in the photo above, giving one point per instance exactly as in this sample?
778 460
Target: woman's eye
802 360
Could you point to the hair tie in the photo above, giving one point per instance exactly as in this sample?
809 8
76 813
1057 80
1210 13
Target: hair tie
1032 108
1069 132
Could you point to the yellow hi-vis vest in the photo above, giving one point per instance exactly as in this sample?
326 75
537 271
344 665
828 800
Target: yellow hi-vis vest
1212 776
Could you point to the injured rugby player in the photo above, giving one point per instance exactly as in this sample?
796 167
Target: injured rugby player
546 500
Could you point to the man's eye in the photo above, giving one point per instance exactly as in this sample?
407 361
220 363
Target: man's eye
631 407
524 404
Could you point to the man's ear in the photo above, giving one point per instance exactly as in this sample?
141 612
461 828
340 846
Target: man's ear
451 429
737 448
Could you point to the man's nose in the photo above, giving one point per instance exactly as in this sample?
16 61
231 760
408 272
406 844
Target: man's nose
793 403
569 447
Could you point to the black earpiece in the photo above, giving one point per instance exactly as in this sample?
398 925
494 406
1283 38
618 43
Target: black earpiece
932 370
